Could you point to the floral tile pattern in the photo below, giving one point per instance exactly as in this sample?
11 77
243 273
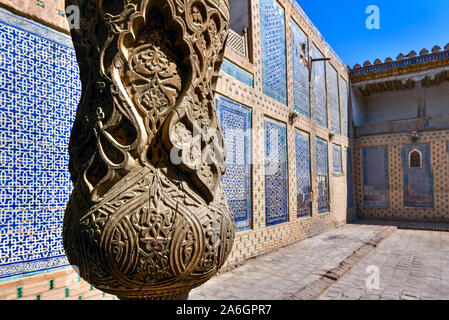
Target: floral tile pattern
235 121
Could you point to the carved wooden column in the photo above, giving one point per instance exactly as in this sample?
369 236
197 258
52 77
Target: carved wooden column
148 218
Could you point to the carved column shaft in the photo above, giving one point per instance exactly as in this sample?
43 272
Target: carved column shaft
148 218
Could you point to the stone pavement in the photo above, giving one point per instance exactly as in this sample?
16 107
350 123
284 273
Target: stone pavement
286 271
415 225
411 265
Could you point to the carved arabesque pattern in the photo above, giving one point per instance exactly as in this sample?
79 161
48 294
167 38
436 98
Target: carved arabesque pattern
138 225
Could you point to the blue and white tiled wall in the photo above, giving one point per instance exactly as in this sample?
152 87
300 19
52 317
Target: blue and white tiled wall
235 121
337 162
322 169
344 94
319 90
273 42
238 73
398 179
334 96
376 177
418 182
303 180
276 175
301 98
39 92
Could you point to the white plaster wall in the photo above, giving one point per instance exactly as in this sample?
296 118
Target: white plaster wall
358 107
437 99
388 106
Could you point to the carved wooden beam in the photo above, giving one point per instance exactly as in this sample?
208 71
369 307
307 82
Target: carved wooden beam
148 218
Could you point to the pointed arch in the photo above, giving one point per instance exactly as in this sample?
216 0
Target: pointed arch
415 159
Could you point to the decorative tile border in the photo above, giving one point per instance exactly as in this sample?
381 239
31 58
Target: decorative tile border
238 73
35 28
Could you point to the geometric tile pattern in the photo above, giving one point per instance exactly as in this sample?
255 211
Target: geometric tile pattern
39 92
344 106
323 175
274 70
334 100
336 159
418 182
235 121
375 177
238 73
303 173
276 178
319 88
349 178
301 99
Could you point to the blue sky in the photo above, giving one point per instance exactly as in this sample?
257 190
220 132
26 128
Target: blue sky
405 25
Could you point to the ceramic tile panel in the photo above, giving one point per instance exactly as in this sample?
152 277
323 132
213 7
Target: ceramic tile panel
276 175
300 46
238 73
319 91
334 95
418 181
235 121
39 95
375 177
344 106
322 169
337 159
303 180
273 43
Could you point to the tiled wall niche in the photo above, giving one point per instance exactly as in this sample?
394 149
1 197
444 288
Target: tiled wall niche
432 204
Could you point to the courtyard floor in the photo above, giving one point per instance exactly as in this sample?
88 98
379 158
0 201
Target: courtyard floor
364 260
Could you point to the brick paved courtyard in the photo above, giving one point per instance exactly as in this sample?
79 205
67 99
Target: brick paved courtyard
411 264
